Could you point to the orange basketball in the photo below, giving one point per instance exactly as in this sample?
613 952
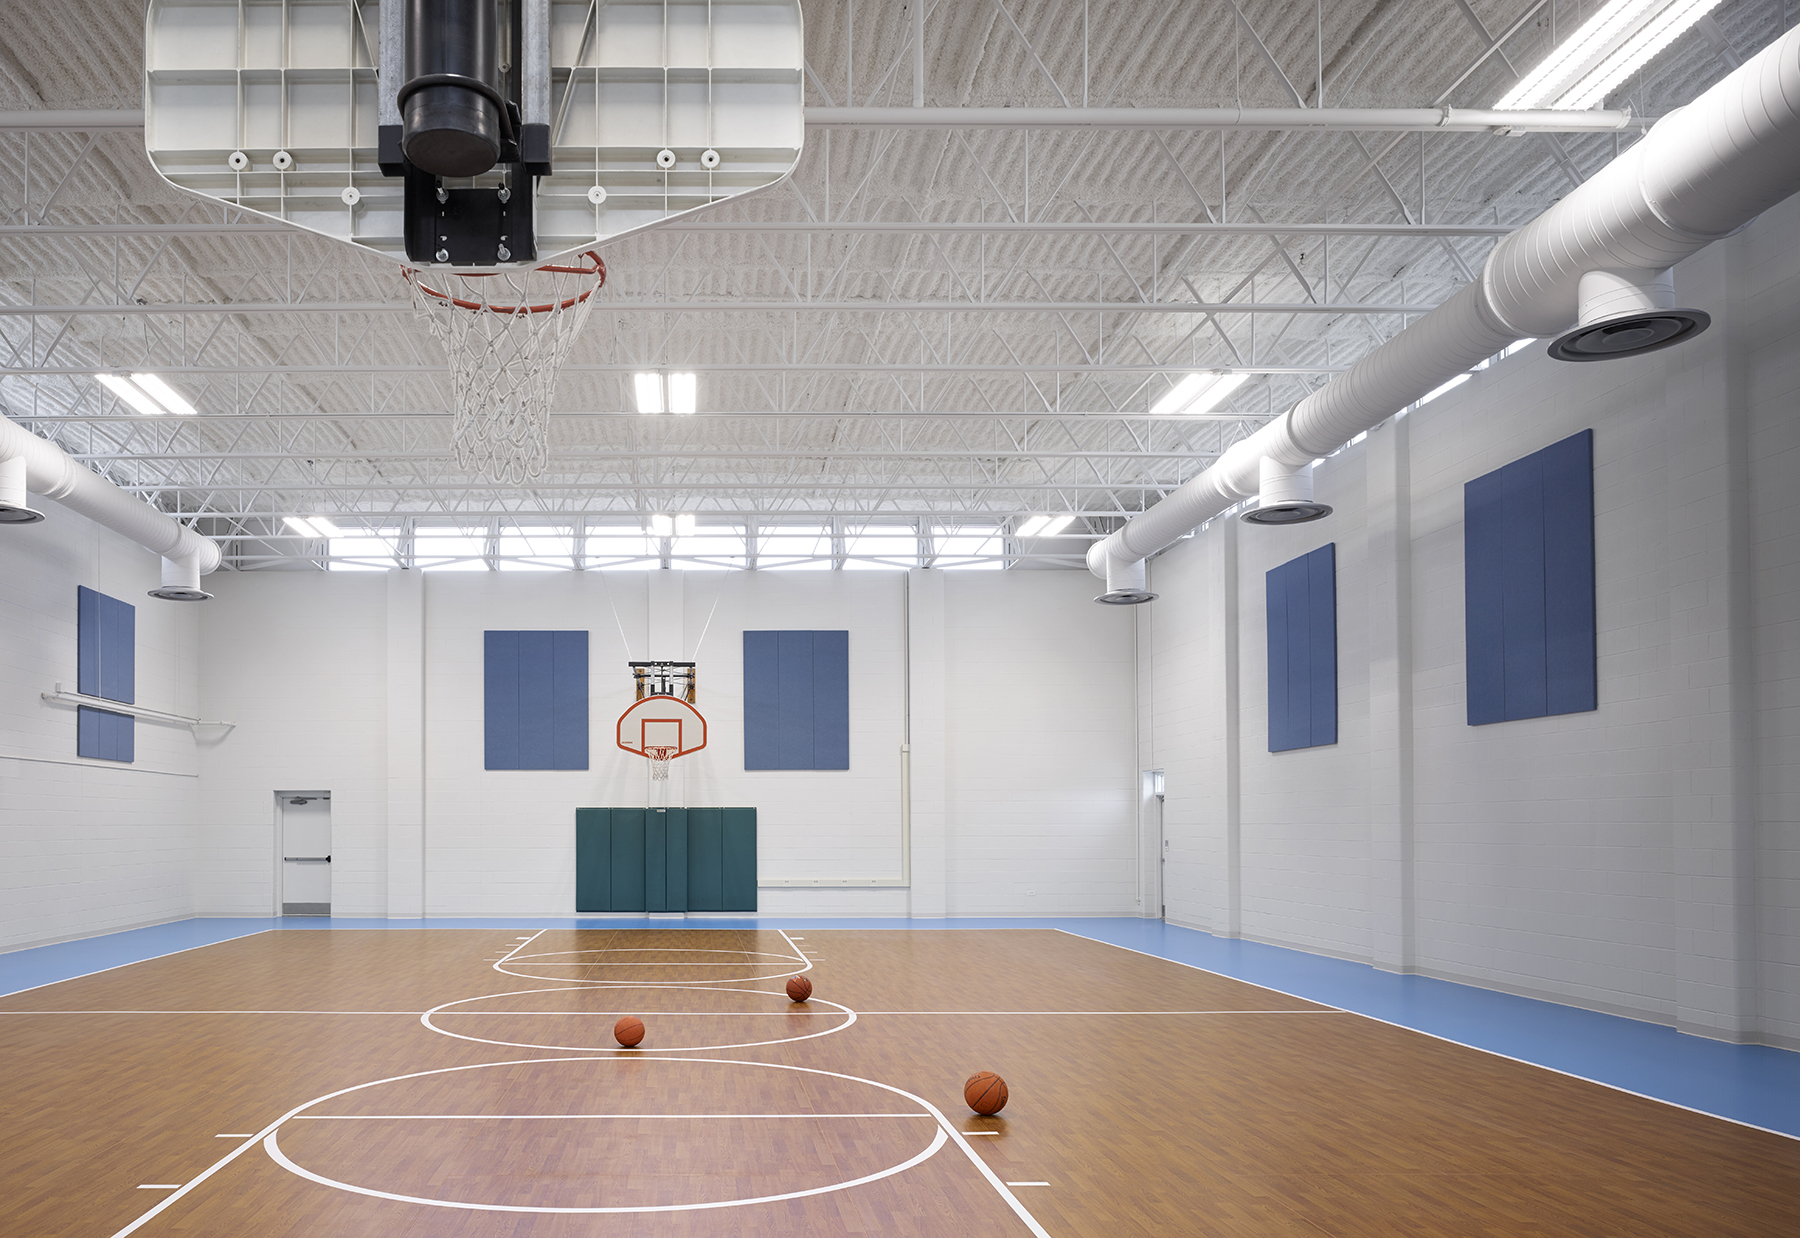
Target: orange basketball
629 1032
799 988
986 1092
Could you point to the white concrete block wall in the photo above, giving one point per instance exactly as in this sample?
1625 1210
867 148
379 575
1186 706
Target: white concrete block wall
87 846
302 662
1041 779
297 660
1641 858
1304 831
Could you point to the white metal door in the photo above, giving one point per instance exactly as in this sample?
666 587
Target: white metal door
305 852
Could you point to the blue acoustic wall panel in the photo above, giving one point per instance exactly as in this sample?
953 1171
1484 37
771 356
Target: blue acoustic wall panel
797 700
106 666
536 700
1528 585
1302 621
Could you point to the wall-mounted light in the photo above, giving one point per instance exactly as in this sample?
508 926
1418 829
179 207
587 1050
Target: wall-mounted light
148 394
1606 49
1198 393
675 393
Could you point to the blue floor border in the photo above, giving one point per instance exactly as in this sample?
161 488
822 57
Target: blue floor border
1752 1084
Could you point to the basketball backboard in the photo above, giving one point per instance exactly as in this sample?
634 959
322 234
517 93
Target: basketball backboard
617 117
662 727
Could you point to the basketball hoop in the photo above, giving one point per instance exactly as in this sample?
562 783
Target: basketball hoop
660 755
506 335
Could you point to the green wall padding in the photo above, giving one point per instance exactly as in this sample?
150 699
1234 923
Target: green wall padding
665 859
739 861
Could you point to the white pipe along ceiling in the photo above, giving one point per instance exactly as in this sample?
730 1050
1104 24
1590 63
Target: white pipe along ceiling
1598 261
28 462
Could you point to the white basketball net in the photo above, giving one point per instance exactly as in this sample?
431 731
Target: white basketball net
659 761
506 336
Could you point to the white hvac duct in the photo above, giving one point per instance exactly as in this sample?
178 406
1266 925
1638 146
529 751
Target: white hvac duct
28 462
1700 174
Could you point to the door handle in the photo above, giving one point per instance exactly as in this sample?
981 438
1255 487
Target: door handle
308 859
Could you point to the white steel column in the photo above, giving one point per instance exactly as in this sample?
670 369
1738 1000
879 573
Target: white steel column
930 824
1389 566
1711 675
405 744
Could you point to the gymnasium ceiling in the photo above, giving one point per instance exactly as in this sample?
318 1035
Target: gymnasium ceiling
869 402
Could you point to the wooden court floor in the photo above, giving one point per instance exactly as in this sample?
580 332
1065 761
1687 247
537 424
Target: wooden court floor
465 1082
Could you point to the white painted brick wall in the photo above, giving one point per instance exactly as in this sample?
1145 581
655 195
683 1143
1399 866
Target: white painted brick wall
298 660
1040 785
90 846
1644 857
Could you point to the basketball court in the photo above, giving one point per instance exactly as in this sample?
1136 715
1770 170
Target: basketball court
1059 618
455 1081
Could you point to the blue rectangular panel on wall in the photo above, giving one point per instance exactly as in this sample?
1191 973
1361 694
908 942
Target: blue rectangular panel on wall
535 700
1483 536
106 666
794 699
762 696
1302 629
831 700
797 700
569 701
1528 585
1321 571
104 735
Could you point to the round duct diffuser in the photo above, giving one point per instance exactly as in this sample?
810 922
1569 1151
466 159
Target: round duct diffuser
1286 512
180 593
18 513
1126 597
1630 335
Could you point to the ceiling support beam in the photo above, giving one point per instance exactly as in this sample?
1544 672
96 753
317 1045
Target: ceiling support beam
897 227
1365 119
741 307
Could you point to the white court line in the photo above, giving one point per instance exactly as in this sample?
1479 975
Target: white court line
272 1147
544 956
572 1117
522 944
1567 1074
522 1044
159 1186
981 1133
247 1136
799 955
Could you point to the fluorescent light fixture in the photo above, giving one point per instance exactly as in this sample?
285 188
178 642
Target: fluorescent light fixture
683 394
684 525
661 526
649 392
1182 394
1198 393
1609 47
325 527
131 393
1044 526
164 394
302 526
1215 395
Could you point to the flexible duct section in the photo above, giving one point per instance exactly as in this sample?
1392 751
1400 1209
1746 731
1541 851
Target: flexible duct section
1598 260
30 463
